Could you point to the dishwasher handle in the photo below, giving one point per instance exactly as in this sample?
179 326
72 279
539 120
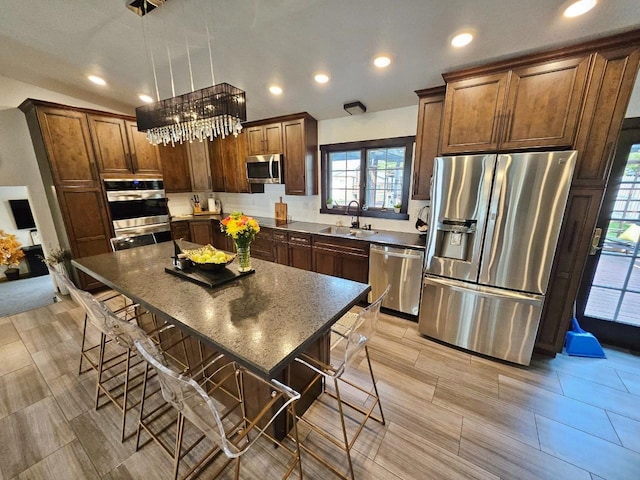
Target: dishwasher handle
395 253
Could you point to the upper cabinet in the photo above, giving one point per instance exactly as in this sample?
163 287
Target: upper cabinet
175 167
262 139
296 138
532 106
120 148
300 156
430 109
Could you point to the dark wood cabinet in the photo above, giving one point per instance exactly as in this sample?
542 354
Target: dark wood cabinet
234 153
612 78
341 257
574 243
120 148
175 168
262 139
281 247
199 166
62 142
181 230
300 156
67 141
533 106
202 232
430 109
300 250
262 246
145 158
216 165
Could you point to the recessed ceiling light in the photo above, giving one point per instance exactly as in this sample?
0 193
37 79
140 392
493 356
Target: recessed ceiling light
275 90
382 61
462 39
578 8
97 80
145 98
321 78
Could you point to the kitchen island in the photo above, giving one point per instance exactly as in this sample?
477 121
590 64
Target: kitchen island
262 320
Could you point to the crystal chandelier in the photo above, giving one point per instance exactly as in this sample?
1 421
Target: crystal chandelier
210 112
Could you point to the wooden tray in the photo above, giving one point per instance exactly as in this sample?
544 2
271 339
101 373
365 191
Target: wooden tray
208 279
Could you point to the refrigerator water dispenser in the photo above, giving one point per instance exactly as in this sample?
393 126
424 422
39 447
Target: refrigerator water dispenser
454 237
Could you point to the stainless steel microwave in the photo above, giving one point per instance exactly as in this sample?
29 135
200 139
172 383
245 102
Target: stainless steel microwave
264 168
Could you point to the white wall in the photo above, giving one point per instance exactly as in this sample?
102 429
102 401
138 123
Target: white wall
633 110
369 126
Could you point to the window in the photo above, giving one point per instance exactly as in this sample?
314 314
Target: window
374 173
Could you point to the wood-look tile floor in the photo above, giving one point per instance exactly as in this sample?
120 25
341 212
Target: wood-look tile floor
450 414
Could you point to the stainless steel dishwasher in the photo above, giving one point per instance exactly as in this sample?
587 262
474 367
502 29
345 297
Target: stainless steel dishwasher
402 269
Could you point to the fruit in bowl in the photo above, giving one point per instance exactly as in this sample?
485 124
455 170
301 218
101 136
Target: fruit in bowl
209 258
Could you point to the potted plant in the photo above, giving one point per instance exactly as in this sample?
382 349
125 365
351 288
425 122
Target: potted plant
397 207
10 254
58 259
329 203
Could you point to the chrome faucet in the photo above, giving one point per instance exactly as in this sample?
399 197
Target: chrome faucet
355 224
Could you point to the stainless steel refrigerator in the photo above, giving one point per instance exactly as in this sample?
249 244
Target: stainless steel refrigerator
495 221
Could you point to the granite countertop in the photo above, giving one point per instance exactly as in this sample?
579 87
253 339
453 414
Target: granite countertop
383 237
259 320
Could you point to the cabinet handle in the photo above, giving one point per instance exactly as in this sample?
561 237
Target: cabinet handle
506 125
494 127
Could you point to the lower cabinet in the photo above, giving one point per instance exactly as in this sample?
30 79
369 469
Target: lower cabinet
202 232
262 245
300 250
341 257
220 239
281 247
181 230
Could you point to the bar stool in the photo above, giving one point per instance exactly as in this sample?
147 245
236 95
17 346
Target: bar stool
349 335
111 328
212 400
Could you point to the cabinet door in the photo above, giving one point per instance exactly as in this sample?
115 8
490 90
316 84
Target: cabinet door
262 246
255 140
68 145
109 138
234 154
544 103
273 138
570 258
216 164
281 253
145 158
427 141
472 112
610 86
220 239
355 267
86 224
199 166
201 232
175 167
300 257
294 158
180 230
326 261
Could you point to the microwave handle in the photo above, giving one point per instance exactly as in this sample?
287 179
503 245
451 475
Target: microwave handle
271 167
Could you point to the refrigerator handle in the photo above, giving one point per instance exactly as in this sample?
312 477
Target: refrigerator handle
480 291
494 201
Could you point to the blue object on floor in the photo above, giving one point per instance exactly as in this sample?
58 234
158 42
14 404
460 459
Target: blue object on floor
582 344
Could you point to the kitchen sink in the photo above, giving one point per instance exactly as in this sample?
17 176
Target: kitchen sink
348 232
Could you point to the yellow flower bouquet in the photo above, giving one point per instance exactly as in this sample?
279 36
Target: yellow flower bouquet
10 254
242 229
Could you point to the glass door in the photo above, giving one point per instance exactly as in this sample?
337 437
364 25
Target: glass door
609 297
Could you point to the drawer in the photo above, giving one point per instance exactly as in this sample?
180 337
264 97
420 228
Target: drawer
343 245
300 238
280 237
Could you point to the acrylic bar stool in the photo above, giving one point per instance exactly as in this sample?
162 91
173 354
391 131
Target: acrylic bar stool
114 366
349 335
213 401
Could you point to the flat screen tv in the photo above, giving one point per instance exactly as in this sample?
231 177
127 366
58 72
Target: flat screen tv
22 214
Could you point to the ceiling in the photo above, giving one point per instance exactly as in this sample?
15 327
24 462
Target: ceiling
256 43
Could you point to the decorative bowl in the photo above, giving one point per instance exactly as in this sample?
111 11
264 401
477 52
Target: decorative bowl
209 258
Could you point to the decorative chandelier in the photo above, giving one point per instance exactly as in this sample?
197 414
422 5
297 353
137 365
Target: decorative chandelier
210 112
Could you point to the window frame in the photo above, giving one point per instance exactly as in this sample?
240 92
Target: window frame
408 142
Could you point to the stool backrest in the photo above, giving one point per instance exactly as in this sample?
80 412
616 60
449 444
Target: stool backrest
362 327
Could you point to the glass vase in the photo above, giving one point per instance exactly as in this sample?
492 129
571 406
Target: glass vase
244 256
